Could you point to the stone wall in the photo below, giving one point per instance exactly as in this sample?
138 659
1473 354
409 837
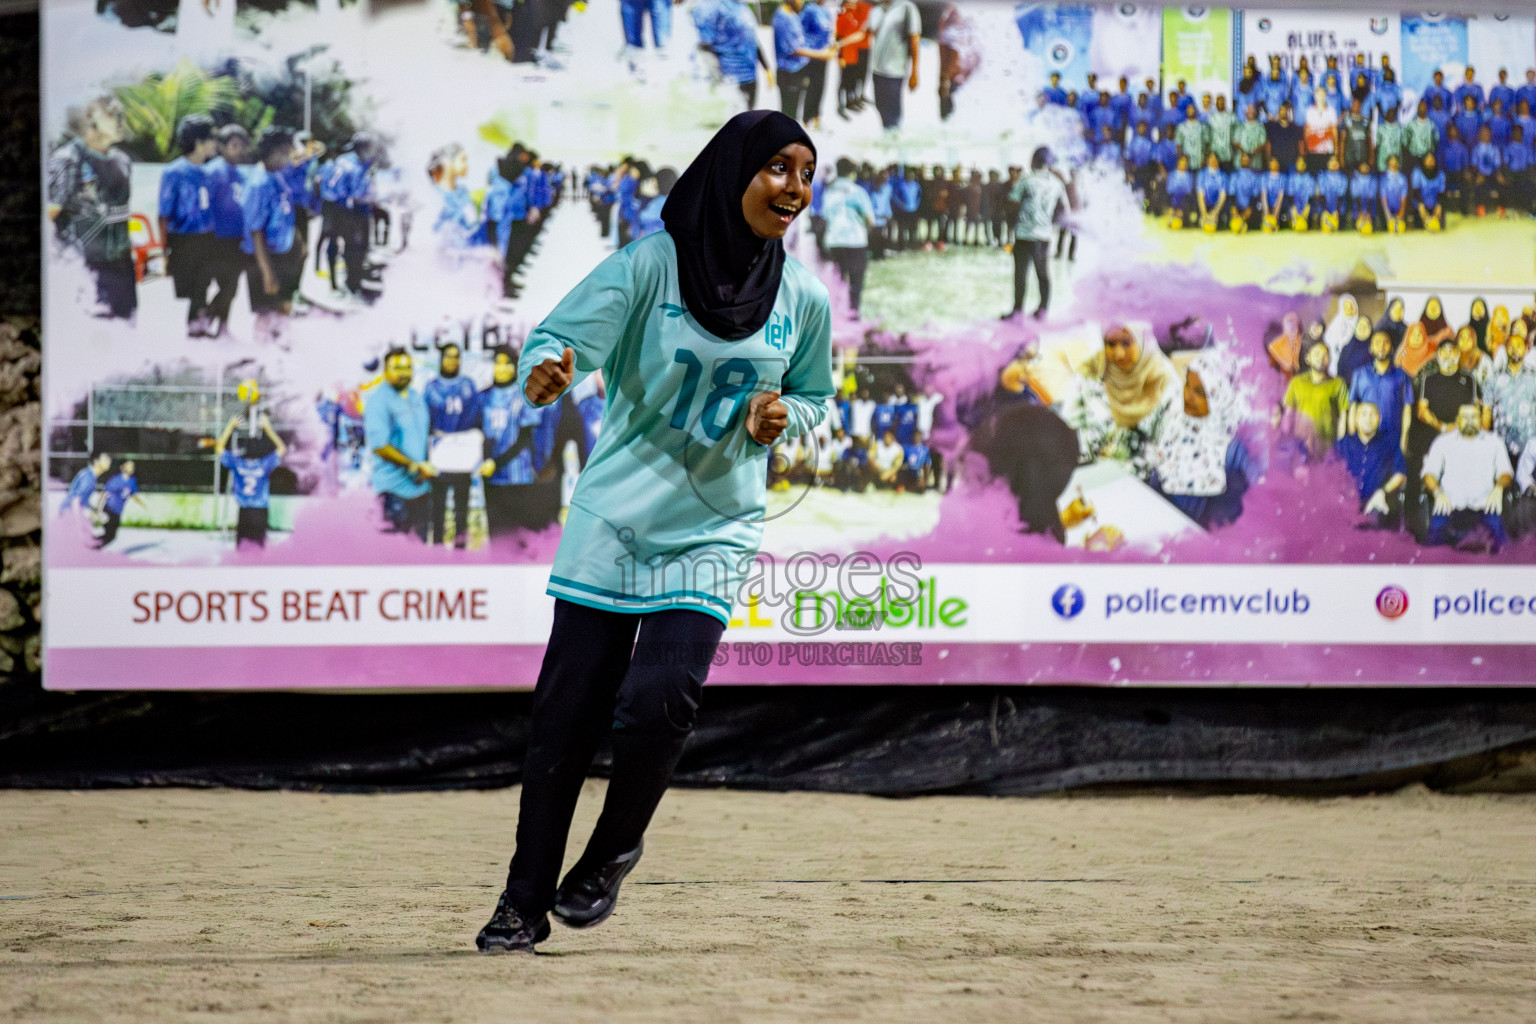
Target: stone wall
20 498
20 354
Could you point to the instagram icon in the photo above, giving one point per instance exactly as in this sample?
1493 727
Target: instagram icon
1392 602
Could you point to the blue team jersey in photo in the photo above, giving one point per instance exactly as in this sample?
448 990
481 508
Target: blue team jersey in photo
1389 392
1387 97
668 511
1371 464
629 198
736 42
504 414
1301 187
706 19
1211 185
1486 158
540 194
1500 127
1517 157
458 222
267 209
226 188
906 422
451 404
1429 189
1441 119
347 181
1333 186
788 36
915 456
295 178
185 201
80 489
1467 122
649 222
117 492
1180 184
1363 187
1394 188
251 479
816 22
402 422
884 419
1274 188
506 203
1139 150
1246 184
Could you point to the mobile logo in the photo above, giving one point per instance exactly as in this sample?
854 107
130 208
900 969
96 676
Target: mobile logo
1068 602
1392 602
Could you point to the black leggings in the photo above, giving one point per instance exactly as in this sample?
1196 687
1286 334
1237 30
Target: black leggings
815 88
596 681
1030 253
851 262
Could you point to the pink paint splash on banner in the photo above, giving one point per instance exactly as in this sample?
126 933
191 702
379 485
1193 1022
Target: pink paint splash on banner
517 666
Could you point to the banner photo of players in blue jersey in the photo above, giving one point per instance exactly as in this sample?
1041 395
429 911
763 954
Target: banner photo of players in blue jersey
1174 344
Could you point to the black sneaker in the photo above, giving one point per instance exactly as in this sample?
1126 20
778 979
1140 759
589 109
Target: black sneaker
587 897
509 932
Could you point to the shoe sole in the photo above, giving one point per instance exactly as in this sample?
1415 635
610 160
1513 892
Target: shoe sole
613 904
492 947
497 949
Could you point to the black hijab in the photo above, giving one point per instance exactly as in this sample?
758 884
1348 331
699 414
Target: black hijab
511 166
729 277
1480 323
1394 328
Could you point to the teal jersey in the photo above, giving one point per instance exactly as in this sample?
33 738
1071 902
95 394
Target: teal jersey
668 512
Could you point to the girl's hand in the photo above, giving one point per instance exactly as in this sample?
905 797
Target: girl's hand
766 417
548 380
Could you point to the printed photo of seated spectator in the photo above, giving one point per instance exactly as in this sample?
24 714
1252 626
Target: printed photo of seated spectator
1375 460
887 458
1198 462
916 473
1465 477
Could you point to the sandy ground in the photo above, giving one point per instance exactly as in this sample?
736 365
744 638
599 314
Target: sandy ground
226 906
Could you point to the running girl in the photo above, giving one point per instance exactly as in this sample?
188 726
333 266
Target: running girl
715 344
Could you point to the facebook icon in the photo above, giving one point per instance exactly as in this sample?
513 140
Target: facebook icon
1068 601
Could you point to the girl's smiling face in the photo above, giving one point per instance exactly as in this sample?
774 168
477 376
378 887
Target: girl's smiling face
779 192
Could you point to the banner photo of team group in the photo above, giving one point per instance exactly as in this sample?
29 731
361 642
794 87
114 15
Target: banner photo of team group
1170 344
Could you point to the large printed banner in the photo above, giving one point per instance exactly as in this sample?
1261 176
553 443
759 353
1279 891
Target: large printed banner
1197 47
1111 41
293 249
1501 42
1449 43
1433 42
1294 33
